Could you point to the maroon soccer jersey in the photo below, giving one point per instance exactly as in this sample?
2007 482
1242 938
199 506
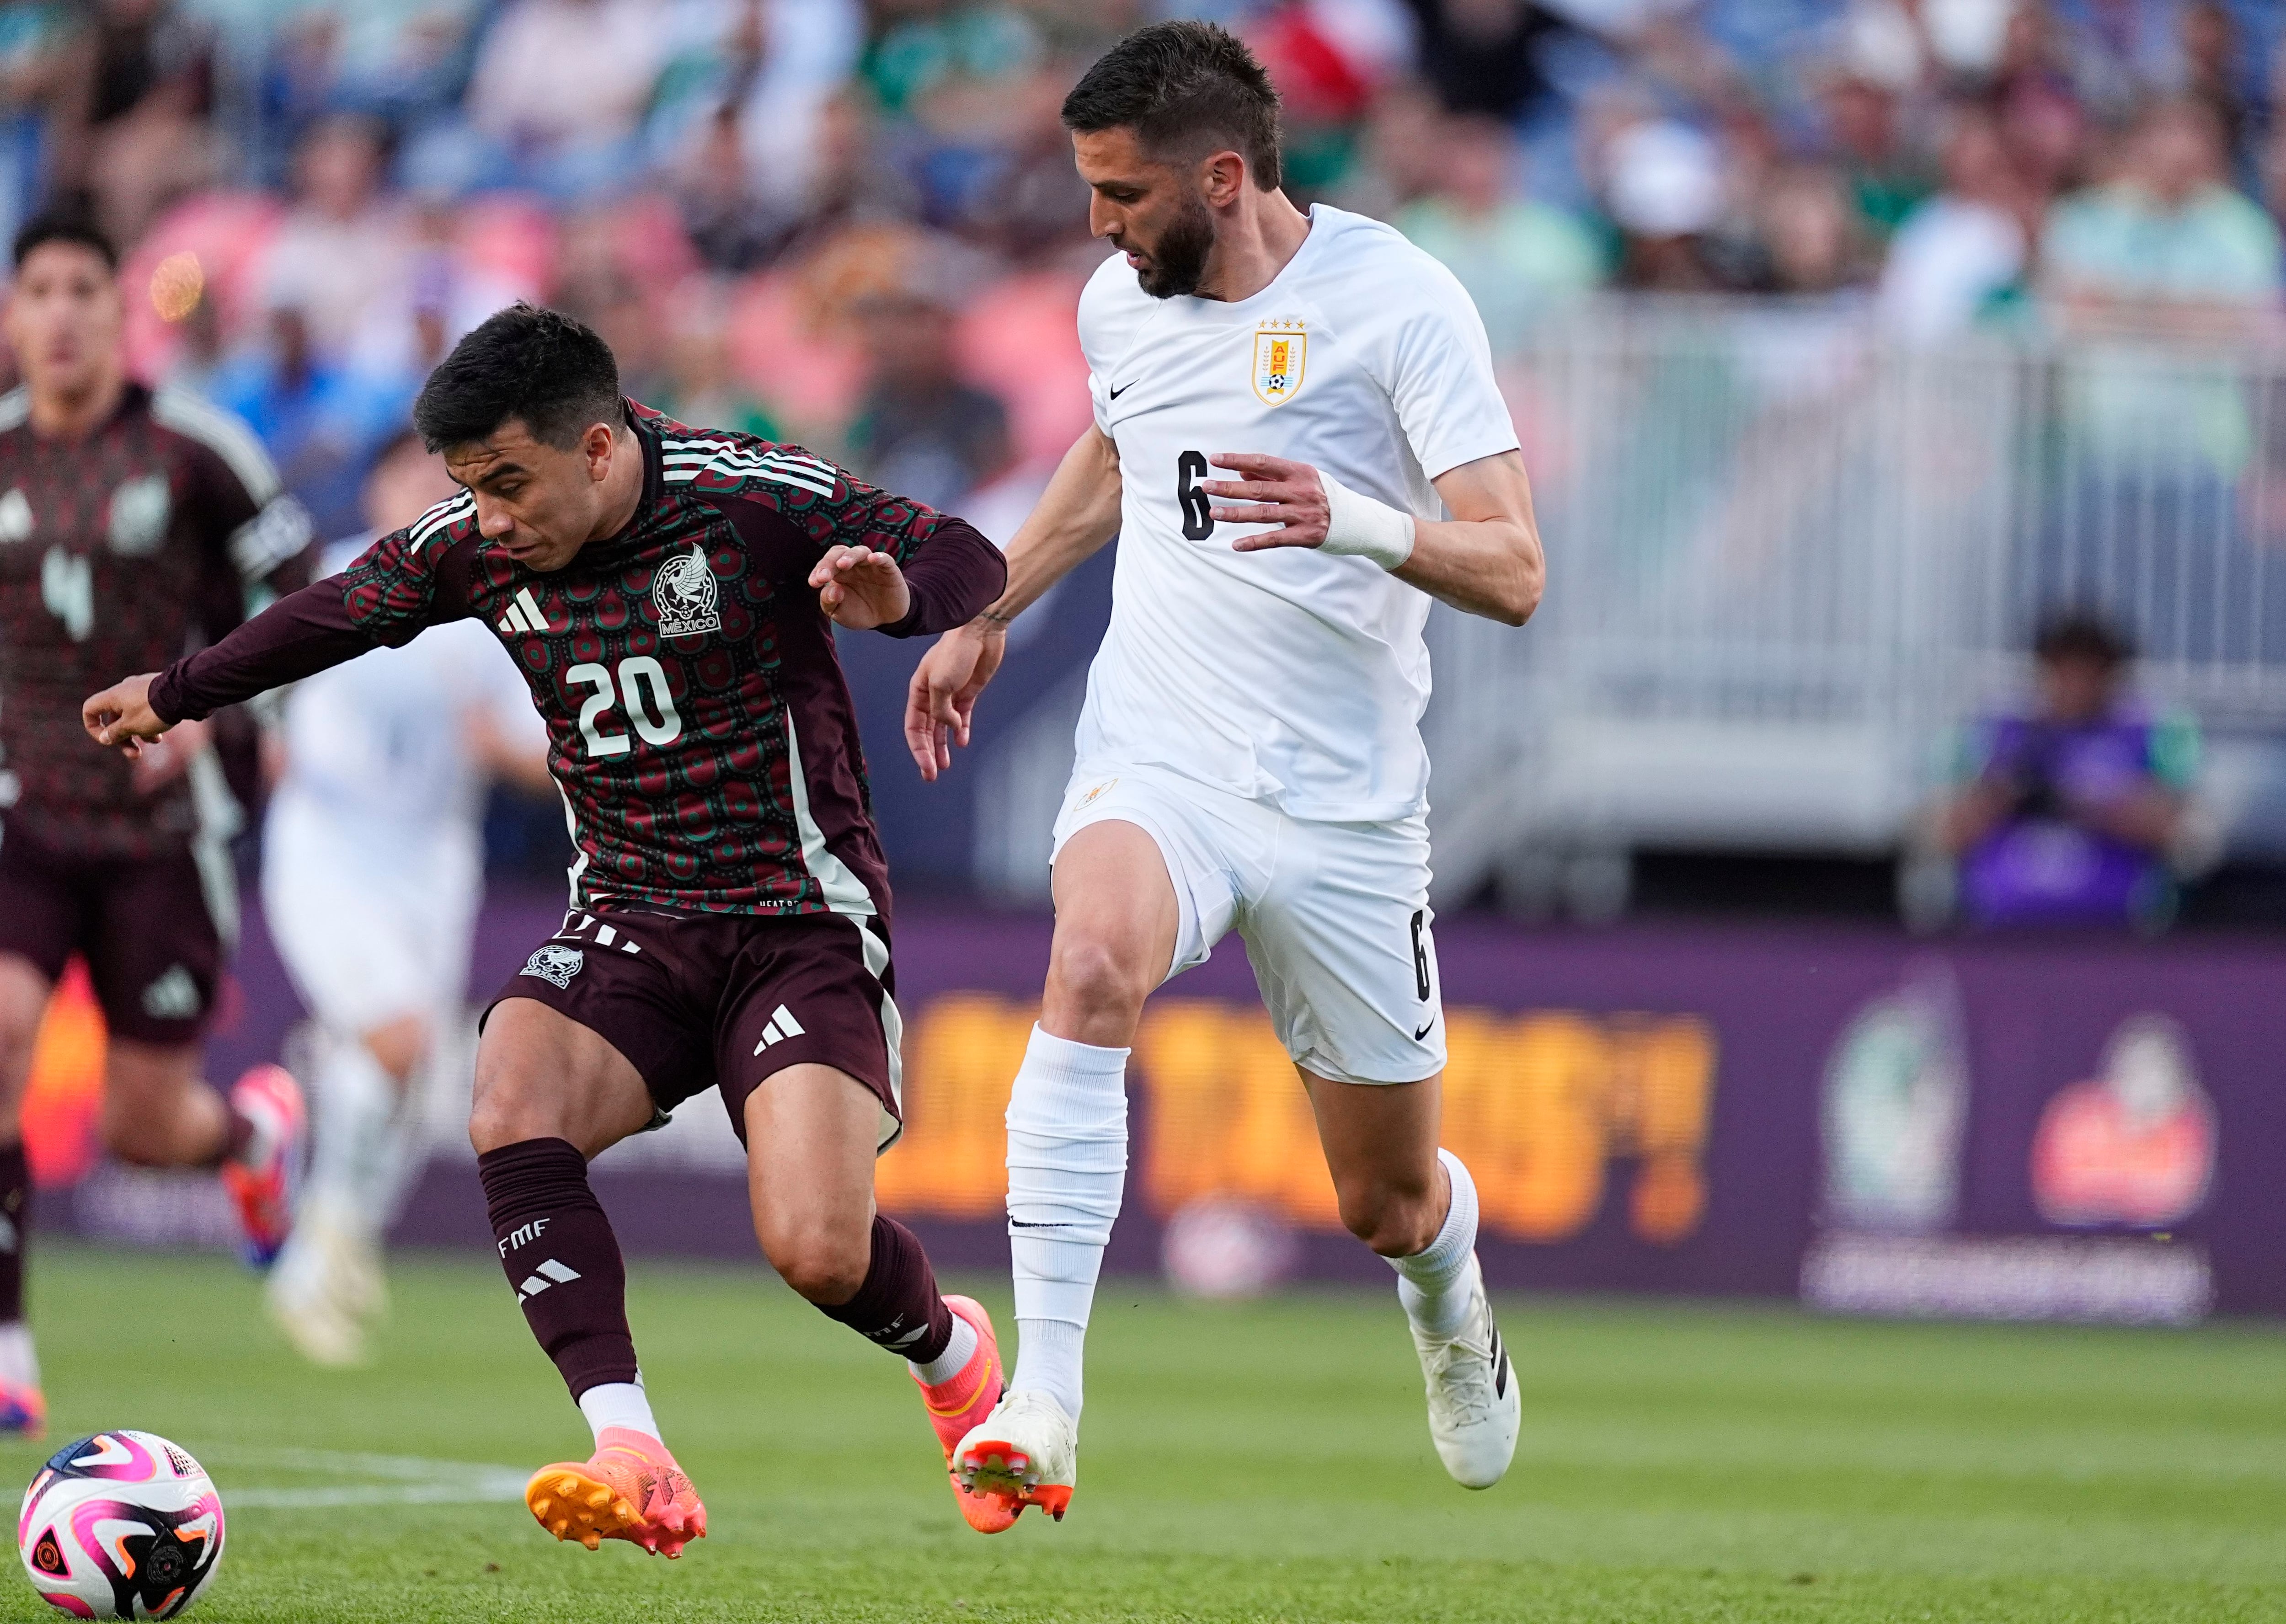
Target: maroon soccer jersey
119 552
698 724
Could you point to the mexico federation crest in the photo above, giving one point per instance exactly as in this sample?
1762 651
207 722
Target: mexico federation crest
556 965
1281 349
682 595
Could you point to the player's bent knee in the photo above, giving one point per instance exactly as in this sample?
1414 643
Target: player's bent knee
157 1111
137 1136
821 1267
1096 975
541 1076
505 1113
1393 1223
510 1105
398 1046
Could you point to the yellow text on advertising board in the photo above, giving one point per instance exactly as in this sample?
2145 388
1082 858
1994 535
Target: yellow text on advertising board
1541 1105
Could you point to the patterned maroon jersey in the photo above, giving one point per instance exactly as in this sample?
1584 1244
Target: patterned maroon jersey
698 724
118 553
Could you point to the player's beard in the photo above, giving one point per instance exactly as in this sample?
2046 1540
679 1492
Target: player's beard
1179 259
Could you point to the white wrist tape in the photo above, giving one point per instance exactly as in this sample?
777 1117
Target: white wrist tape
1357 526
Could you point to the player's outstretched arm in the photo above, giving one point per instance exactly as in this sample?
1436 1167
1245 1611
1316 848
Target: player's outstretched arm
299 636
1076 516
1484 560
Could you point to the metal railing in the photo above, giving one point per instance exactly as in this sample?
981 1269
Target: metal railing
1784 557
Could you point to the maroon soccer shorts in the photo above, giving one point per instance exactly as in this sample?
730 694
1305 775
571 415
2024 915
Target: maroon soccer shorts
145 926
700 1001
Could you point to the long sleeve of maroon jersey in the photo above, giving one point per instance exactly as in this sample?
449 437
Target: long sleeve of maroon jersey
300 634
953 574
950 568
410 579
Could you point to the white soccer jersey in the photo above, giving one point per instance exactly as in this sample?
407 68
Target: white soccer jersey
376 749
1289 676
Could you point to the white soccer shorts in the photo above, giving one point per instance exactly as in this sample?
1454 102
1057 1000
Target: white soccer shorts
1334 916
362 947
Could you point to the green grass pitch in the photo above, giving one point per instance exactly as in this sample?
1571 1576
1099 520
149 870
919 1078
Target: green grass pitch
1679 1462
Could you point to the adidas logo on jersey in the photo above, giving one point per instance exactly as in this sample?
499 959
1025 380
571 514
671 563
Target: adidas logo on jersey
173 997
549 1274
524 617
782 1025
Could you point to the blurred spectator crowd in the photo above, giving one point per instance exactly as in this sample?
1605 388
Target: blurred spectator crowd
855 223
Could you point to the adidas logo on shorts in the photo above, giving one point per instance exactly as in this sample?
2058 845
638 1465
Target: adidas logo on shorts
173 997
782 1025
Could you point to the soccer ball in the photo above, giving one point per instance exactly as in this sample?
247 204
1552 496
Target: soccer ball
120 1525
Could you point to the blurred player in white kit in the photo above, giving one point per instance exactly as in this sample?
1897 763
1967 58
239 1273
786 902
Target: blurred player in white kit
372 869
1299 441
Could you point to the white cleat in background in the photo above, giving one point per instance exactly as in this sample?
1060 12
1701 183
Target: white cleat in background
322 1291
1474 1410
1027 1449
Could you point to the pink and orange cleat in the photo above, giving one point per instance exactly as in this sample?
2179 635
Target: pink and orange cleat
631 1489
957 1405
23 1411
262 1186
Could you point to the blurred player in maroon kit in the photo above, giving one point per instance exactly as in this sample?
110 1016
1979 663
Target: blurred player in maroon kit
670 594
134 525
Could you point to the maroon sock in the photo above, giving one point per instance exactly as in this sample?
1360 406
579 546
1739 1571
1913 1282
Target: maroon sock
15 1229
898 1305
562 1259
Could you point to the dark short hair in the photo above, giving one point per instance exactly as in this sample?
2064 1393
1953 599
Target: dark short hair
1183 87
526 362
69 225
2075 633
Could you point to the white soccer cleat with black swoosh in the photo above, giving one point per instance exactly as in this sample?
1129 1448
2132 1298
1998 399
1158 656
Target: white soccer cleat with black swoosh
1474 1410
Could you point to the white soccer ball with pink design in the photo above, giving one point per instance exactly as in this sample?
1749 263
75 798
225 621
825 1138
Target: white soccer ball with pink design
120 1525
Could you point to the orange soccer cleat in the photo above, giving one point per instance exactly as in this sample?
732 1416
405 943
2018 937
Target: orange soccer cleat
956 1405
262 1186
631 1489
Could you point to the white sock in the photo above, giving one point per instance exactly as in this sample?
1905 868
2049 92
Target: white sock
1431 1284
1067 1167
955 1358
353 1158
1052 1351
17 1363
618 1404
